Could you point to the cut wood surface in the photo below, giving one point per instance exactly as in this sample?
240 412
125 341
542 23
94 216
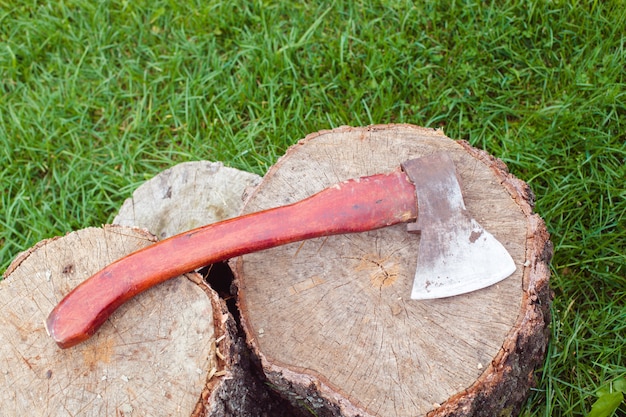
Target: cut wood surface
186 196
159 354
331 318
153 357
189 195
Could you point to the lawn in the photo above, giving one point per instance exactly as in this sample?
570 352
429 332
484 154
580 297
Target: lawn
97 97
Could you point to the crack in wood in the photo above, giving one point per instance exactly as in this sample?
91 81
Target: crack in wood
384 271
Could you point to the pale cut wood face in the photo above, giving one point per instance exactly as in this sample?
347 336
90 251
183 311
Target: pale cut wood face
338 310
151 358
186 196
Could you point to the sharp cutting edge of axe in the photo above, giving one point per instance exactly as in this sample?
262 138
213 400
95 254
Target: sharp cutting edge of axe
456 254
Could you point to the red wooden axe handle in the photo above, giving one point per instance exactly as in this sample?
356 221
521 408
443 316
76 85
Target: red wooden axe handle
352 206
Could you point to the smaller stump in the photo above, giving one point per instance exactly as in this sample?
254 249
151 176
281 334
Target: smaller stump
151 358
183 197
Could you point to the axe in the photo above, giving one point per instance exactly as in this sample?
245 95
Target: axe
456 254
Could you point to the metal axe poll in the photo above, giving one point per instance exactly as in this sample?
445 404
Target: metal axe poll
456 254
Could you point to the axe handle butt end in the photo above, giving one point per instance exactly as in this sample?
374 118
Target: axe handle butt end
352 206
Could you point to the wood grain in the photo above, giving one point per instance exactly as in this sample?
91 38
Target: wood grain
186 196
331 318
145 360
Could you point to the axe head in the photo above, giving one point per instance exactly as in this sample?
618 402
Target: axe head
456 254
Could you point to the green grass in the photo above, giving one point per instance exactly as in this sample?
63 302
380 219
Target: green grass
96 97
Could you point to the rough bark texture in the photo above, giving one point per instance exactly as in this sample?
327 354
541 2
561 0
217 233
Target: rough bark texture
331 319
242 389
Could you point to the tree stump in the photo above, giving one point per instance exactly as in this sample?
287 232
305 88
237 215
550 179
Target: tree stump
183 197
174 350
332 321
151 358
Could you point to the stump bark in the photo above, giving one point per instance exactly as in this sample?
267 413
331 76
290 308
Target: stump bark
331 319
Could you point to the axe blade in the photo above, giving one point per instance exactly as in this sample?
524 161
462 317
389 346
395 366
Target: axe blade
468 259
456 254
